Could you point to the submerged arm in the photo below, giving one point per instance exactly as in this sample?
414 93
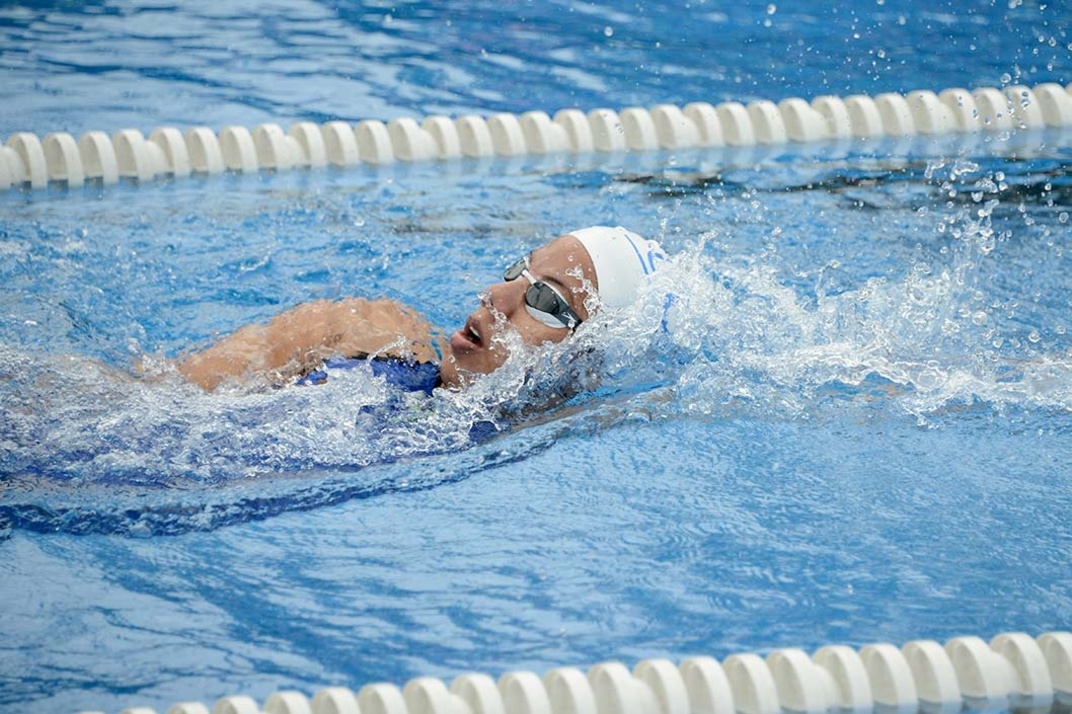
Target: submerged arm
296 341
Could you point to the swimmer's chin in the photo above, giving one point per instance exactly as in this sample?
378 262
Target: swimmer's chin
452 377
464 360
456 375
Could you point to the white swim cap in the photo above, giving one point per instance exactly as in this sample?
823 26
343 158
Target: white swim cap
622 259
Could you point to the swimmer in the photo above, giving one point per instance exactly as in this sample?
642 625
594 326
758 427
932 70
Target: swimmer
544 297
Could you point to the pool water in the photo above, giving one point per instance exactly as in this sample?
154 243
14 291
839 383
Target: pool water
849 424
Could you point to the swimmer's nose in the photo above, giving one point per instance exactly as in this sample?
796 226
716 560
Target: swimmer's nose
505 298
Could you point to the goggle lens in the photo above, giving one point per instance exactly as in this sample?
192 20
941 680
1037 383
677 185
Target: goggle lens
542 301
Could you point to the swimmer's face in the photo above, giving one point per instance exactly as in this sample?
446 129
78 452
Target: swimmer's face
479 348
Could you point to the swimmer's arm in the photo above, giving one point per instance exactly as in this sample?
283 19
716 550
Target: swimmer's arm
296 341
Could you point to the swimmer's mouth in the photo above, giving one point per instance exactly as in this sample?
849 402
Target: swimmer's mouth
473 335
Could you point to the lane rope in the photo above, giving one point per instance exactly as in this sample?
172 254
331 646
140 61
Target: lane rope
29 162
1013 672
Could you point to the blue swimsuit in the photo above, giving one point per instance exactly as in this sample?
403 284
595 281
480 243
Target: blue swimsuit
407 375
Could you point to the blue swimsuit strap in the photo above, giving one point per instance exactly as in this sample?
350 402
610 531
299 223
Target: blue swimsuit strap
407 375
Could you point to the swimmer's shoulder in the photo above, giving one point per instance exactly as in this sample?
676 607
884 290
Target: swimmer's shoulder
389 328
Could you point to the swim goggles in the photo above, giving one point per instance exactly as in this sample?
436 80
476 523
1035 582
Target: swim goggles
543 301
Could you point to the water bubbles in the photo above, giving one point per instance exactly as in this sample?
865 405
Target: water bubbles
608 31
771 9
1006 78
932 167
1034 336
1062 217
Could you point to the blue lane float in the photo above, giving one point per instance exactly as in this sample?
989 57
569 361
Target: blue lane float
29 162
1012 672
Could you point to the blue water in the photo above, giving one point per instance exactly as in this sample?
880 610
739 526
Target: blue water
852 426
100 65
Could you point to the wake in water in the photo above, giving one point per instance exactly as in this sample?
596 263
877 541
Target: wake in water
970 322
916 344
717 334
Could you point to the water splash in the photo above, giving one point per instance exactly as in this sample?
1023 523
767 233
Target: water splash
934 338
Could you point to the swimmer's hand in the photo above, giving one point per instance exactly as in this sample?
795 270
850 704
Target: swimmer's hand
297 341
